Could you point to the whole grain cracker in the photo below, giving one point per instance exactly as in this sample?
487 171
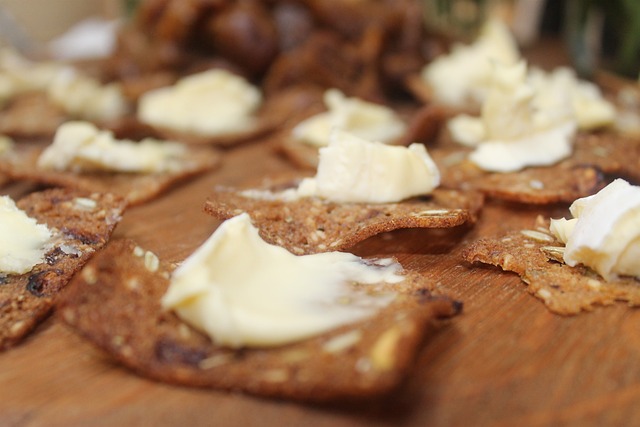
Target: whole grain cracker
565 181
20 163
31 115
115 303
82 224
310 224
536 256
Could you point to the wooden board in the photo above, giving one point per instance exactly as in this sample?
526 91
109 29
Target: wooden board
505 361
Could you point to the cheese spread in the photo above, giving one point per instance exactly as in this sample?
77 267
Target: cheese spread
366 120
210 103
82 147
604 233
242 291
23 242
461 77
519 126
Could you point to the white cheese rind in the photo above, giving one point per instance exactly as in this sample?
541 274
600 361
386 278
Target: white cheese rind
23 242
605 231
353 170
210 103
82 147
366 120
519 125
242 291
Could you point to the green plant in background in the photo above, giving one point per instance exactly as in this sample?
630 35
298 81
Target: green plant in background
130 7
604 33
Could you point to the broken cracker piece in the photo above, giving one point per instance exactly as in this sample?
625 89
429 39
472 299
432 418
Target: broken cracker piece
20 163
82 223
536 256
115 303
311 225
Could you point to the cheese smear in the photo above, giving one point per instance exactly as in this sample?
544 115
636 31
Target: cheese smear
77 94
23 242
82 147
242 291
463 76
210 103
519 126
604 233
366 120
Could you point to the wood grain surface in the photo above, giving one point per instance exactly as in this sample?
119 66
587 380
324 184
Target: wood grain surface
505 361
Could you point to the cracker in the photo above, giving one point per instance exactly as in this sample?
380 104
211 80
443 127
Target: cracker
31 115
115 303
20 163
536 256
562 182
610 152
311 225
83 223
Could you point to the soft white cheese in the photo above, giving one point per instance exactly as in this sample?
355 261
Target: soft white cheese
591 109
86 98
518 126
78 95
461 78
604 233
23 241
242 291
82 147
366 120
210 103
353 170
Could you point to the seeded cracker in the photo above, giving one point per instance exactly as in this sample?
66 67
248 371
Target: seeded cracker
20 163
83 223
312 225
31 115
575 177
536 256
115 302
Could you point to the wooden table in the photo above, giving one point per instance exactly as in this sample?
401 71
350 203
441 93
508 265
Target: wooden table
505 361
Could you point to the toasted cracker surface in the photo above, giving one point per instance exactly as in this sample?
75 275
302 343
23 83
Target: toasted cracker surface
311 225
536 256
562 182
31 115
20 163
83 223
115 302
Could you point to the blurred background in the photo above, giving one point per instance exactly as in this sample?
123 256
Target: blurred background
596 33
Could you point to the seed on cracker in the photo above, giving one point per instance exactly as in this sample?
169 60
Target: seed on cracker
310 224
82 224
364 359
536 257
